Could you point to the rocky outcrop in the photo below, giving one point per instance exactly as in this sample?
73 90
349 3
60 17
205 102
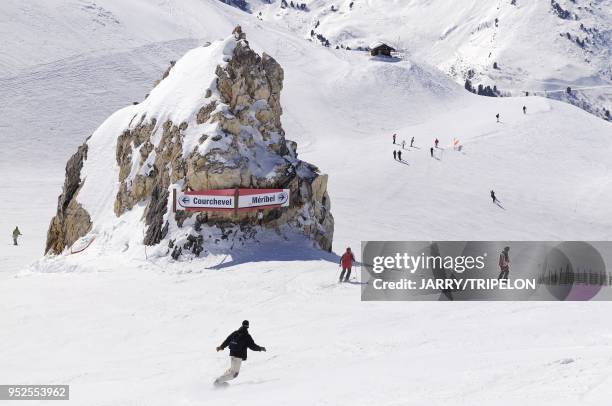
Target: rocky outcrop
234 139
71 221
157 227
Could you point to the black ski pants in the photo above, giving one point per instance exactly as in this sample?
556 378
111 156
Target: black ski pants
348 274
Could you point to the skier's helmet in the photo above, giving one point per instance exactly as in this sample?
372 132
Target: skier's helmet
245 323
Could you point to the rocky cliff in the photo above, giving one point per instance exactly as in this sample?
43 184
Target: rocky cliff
212 122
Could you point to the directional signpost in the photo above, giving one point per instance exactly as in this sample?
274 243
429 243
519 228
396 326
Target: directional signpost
223 199
230 199
262 198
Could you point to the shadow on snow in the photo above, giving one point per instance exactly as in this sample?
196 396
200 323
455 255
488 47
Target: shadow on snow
267 251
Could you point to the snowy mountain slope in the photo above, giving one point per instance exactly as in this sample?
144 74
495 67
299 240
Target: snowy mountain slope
145 337
39 32
126 330
53 107
537 46
344 119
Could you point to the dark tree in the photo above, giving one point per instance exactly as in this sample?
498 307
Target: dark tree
468 85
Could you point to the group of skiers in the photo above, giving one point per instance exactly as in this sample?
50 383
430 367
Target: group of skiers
497 116
397 155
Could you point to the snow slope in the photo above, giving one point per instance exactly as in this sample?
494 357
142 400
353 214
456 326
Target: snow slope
148 337
126 330
535 49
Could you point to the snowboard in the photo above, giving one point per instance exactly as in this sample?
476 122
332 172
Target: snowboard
220 385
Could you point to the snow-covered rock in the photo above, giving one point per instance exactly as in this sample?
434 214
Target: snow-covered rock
212 122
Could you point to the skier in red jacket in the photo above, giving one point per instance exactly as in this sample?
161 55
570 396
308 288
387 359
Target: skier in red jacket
346 262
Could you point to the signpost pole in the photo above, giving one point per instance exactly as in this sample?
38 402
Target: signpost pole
236 195
173 200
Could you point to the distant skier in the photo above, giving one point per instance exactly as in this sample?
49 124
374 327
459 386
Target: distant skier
346 262
16 234
411 142
431 151
493 196
504 264
524 109
238 343
497 117
436 142
399 155
394 138
403 144
395 155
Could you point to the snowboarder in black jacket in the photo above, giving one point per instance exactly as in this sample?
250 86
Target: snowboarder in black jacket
238 342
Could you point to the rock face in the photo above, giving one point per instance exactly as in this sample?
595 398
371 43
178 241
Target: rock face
71 221
239 142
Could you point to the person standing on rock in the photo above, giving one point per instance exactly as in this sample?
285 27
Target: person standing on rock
346 262
504 264
238 342
16 234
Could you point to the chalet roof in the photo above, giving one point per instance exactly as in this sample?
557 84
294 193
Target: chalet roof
378 44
